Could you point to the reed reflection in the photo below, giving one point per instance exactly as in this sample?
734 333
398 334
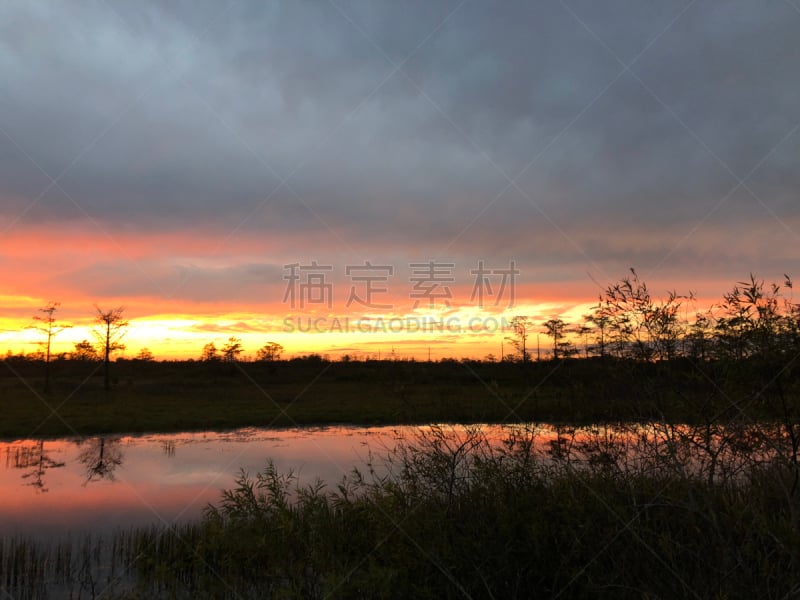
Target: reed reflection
168 447
35 460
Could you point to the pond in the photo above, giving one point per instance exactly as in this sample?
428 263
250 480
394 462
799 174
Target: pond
51 488
98 484
89 516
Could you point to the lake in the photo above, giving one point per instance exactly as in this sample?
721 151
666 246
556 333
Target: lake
77 515
97 484
51 488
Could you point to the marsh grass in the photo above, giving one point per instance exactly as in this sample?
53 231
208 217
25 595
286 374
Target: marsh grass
453 514
656 511
83 567
168 397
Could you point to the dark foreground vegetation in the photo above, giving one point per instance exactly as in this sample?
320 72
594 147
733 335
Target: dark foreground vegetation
656 512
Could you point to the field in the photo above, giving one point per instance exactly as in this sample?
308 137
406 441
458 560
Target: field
183 396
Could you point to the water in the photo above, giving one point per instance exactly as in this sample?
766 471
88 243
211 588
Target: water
61 499
54 488
51 488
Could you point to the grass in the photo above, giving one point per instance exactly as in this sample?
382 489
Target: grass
169 397
86 567
232 401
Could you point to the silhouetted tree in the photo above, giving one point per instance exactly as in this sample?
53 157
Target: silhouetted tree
699 337
109 331
50 329
145 355
269 352
599 320
626 305
521 327
210 353
232 350
755 320
583 331
664 328
791 325
84 350
556 329
641 328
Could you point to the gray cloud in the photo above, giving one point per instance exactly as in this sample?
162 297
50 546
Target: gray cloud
188 112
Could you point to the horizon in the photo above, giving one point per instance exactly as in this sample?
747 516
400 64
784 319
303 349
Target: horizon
416 335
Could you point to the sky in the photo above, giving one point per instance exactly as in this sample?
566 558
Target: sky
177 158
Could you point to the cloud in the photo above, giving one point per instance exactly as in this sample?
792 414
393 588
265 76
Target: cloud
184 117
228 328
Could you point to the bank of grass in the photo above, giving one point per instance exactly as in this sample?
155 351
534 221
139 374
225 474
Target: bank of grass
180 396
232 401
451 514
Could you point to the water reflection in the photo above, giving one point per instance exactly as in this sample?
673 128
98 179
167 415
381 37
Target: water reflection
162 479
35 460
168 447
104 483
100 457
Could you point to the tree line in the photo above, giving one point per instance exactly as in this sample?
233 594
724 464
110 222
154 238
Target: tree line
753 319
233 349
109 328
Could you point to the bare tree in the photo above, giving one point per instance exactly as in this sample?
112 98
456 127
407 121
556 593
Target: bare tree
583 332
599 319
521 326
49 327
109 331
